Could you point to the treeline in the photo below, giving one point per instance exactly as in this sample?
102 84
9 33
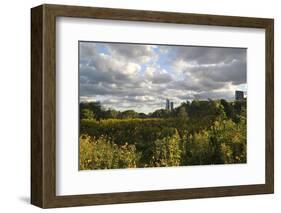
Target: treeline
94 110
196 133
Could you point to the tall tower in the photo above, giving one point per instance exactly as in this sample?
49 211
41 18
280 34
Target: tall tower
239 95
172 105
167 104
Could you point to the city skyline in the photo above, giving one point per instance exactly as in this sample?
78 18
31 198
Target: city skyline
143 77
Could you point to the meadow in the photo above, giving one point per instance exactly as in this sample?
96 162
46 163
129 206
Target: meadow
195 133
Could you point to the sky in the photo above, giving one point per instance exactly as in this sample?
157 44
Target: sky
141 77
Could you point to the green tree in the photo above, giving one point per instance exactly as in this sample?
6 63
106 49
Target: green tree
181 121
166 152
87 114
198 149
228 142
129 114
95 107
228 108
111 113
160 113
101 153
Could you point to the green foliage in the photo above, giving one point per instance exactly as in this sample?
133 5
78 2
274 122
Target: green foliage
111 113
166 152
197 133
181 122
161 113
129 114
95 107
87 114
132 131
102 154
231 139
198 148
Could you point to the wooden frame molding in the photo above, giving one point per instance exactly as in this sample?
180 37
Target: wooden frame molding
43 105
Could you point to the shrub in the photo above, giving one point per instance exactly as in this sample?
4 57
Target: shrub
101 153
166 152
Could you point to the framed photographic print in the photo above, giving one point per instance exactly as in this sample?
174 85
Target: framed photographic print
136 106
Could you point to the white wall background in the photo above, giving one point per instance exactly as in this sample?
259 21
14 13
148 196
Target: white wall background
15 105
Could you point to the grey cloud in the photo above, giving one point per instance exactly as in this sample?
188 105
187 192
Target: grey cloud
118 79
161 79
124 103
107 89
198 85
210 55
87 50
234 72
215 95
132 52
94 75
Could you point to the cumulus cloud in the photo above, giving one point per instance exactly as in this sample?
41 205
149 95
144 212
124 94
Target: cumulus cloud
157 75
141 77
136 53
209 55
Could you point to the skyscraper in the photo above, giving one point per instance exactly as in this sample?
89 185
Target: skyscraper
239 95
172 105
167 104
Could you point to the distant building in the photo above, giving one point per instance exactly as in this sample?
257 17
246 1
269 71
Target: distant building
239 95
172 105
167 104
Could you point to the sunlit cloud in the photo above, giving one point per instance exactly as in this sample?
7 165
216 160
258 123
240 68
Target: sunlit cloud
141 77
